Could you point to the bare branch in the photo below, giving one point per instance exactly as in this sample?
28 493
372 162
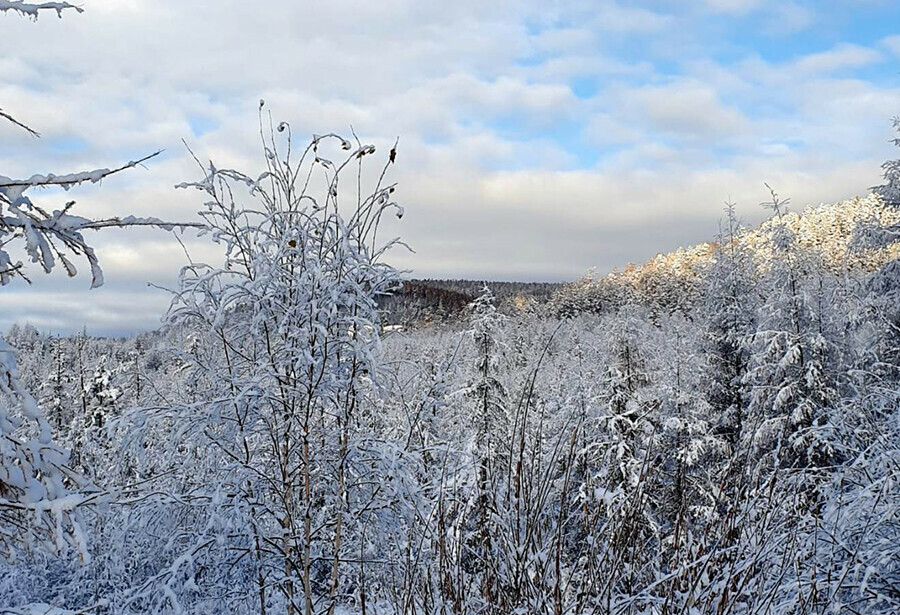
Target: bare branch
7 116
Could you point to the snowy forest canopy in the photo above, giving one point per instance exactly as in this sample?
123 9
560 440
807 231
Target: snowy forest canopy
715 431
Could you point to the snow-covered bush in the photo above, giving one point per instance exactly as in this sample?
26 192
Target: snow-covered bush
284 365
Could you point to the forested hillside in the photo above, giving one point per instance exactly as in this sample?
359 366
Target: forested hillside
856 237
423 302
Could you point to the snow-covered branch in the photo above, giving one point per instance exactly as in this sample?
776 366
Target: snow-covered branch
12 188
47 236
32 10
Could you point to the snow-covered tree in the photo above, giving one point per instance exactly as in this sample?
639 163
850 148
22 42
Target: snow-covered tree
58 396
729 311
490 439
284 368
35 503
487 392
793 385
890 189
881 304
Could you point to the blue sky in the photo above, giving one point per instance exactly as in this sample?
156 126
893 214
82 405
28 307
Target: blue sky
537 140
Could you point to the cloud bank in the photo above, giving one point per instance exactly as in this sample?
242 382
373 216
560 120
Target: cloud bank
536 141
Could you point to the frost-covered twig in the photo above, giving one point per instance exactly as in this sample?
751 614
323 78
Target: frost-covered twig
43 232
10 187
32 10
25 127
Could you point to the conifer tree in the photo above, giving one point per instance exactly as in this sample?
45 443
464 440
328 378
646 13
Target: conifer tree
490 445
793 388
729 313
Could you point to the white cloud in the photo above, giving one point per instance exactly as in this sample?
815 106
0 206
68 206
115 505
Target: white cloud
842 56
789 17
683 108
614 17
103 311
606 129
734 7
563 40
892 43
493 141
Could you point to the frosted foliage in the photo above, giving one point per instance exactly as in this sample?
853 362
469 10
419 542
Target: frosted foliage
32 10
490 420
282 355
890 190
54 238
36 509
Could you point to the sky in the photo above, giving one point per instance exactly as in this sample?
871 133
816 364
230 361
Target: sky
537 140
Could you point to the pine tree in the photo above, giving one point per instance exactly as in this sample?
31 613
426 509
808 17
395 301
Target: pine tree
490 445
729 316
101 395
57 396
793 387
488 394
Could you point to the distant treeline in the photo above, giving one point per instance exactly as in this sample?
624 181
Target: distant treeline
430 301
